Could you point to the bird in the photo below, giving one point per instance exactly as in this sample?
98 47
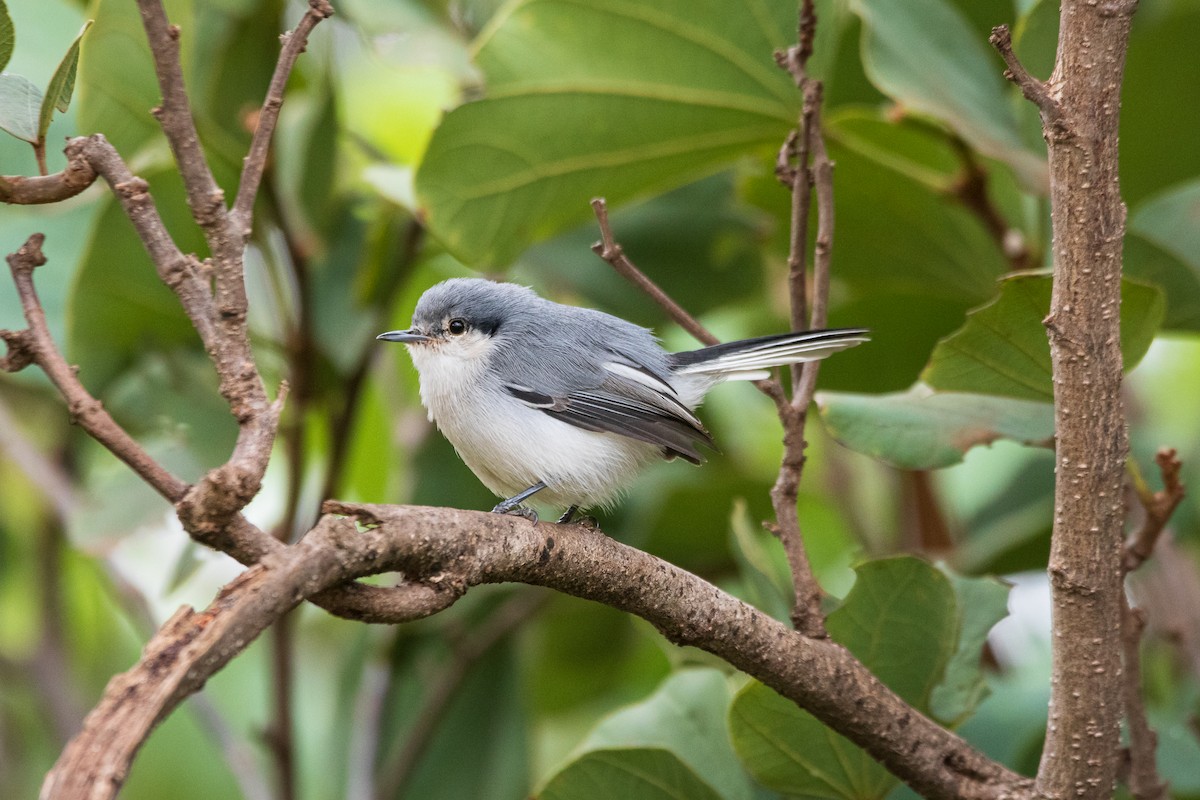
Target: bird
570 403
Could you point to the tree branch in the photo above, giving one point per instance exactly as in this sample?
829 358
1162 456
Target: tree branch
255 162
40 189
1158 508
205 197
1079 109
609 250
34 345
466 548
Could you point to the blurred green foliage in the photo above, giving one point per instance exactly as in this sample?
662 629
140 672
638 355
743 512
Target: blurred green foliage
674 111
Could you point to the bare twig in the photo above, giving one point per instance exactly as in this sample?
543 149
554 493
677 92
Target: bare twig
1035 91
1080 121
1143 780
609 250
468 548
183 274
204 196
256 160
812 169
35 345
1158 508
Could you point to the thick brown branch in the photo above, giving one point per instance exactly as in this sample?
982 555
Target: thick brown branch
255 162
467 548
1080 113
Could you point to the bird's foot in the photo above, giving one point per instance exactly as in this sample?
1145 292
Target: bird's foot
516 510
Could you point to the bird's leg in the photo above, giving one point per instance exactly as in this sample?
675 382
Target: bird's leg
513 504
587 522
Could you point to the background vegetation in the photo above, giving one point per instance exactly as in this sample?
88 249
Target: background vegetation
674 111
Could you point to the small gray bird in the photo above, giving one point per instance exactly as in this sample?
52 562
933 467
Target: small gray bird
539 397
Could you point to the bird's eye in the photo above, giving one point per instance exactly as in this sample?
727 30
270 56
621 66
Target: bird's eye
457 327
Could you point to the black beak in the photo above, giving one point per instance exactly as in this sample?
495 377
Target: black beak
411 336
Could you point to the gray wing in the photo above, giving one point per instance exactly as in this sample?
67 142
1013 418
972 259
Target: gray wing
630 401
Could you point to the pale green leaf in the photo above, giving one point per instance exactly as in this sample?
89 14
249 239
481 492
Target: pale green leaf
923 429
900 621
923 54
20 102
981 603
62 84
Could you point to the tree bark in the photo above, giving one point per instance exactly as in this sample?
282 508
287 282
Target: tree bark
1080 106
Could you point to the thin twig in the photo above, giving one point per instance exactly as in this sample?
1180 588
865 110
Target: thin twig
1158 508
86 411
1035 91
812 169
609 250
255 162
205 197
1143 780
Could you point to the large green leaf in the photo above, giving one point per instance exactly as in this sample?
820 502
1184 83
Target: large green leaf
900 620
20 104
923 429
1171 220
923 54
1002 348
62 84
685 716
575 109
8 36
981 603
630 774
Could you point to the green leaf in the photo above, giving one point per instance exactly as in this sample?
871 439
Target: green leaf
923 54
686 717
909 149
1148 262
923 429
1171 220
20 102
8 36
575 110
630 774
900 621
981 603
62 84
1002 348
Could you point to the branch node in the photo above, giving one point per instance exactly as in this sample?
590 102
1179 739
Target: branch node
20 350
29 256
1036 91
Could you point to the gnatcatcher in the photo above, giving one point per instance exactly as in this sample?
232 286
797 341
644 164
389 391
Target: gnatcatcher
539 397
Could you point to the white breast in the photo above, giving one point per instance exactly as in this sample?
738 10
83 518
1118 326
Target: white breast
510 446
